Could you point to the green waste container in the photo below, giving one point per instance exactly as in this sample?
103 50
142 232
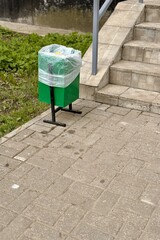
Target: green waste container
63 96
59 67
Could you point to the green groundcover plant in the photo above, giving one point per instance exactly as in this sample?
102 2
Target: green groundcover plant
18 73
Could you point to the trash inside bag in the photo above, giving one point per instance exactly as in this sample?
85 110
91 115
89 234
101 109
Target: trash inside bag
58 66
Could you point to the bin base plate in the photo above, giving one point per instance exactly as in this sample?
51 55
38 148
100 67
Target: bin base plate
54 122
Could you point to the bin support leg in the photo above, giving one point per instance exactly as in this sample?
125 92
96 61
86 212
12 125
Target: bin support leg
71 110
53 110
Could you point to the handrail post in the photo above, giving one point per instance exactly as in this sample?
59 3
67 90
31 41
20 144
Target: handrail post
95 36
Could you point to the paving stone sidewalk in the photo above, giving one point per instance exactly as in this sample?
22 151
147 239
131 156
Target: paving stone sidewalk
96 179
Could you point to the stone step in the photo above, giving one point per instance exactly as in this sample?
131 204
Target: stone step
147 31
141 51
153 14
132 98
136 75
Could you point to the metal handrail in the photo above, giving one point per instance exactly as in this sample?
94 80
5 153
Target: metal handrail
98 13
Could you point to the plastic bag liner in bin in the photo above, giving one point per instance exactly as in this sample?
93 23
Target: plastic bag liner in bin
58 66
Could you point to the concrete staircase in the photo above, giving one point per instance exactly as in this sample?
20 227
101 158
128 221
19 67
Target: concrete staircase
134 81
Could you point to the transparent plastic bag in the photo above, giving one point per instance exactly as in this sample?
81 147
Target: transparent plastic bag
58 65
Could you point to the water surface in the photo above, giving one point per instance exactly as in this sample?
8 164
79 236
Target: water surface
66 14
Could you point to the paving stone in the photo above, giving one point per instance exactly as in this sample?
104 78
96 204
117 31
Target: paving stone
88 103
132 149
144 148
8 162
133 166
125 190
59 166
128 232
92 139
70 238
40 128
42 232
6 216
69 220
72 149
130 180
7 186
137 206
36 142
87 232
149 147
45 154
67 136
20 171
38 179
68 118
127 133
104 178
15 228
154 165
26 153
149 175
113 145
91 154
108 133
39 213
20 203
3 171
58 187
108 160
78 175
81 123
57 131
149 236
103 107
135 219
154 223
24 238
131 116
6 151
112 122
12 144
110 225
6 198
118 110
101 112
58 207
87 162
151 195
76 199
57 142
22 134
82 132
86 190
90 127
1 227
105 203
144 120
94 118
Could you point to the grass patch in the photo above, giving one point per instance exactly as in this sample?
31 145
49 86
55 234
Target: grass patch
18 73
